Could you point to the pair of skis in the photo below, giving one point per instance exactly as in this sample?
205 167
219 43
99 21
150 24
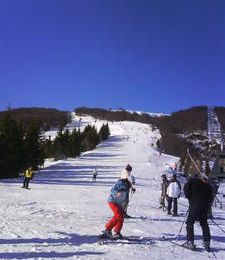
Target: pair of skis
102 240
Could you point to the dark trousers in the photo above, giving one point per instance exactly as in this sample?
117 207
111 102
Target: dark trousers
170 202
26 182
201 216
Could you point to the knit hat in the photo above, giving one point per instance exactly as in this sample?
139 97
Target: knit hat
128 168
125 175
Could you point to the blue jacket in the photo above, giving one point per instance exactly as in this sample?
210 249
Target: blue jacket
120 192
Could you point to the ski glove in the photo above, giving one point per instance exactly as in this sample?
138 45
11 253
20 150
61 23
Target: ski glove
133 190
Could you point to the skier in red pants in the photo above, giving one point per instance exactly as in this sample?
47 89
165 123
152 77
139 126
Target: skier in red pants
119 194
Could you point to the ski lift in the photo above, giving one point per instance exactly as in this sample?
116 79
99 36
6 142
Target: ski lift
218 169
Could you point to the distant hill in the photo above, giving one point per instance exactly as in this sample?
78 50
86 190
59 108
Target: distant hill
192 119
46 117
180 130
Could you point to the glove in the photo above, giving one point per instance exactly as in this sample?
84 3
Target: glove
133 190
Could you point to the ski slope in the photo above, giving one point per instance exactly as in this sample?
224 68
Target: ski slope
62 214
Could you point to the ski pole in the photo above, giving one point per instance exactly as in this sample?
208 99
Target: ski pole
193 161
185 217
217 225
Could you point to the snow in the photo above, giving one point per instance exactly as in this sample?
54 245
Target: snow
62 214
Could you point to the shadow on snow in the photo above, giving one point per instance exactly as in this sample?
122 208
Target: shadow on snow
70 239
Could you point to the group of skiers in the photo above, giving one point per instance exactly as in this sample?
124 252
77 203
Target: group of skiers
197 190
171 190
199 193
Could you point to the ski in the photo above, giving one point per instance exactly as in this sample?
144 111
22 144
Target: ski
125 240
196 249
183 246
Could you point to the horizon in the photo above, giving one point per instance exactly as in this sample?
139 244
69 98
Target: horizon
108 109
153 56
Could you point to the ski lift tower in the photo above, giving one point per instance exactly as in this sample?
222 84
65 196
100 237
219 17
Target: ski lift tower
215 135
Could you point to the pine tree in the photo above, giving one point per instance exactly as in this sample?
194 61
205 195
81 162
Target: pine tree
104 132
90 138
33 147
74 144
12 147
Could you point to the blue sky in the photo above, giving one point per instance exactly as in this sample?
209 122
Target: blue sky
148 55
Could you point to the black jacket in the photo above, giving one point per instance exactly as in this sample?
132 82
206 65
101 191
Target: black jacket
198 193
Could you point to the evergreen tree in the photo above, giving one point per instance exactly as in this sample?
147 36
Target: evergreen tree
90 138
12 147
104 132
33 147
74 144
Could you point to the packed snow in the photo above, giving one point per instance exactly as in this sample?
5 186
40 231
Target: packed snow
62 214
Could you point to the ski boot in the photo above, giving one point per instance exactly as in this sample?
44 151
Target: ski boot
118 236
206 245
106 234
190 245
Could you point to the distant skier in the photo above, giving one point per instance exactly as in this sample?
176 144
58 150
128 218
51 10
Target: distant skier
164 186
119 195
27 177
199 193
94 175
173 193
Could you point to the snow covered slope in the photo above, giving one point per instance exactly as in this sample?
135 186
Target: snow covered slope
64 211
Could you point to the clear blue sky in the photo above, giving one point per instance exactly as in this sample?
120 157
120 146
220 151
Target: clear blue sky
148 55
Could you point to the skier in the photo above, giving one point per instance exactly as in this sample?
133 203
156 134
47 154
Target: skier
132 181
199 193
215 186
173 193
119 195
27 177
164 186
95 173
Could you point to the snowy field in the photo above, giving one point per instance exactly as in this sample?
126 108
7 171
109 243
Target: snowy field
62 214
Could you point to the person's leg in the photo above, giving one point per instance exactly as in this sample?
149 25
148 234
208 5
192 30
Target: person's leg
24 183
169 206
190 226
205 227
175 206
27 182
116 221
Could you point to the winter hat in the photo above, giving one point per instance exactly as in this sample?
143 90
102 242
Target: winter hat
128 168
125 175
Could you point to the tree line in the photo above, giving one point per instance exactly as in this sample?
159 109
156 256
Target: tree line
22 145
72 144
45 117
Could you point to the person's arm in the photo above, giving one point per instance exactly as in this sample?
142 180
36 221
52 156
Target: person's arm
187 190
179 187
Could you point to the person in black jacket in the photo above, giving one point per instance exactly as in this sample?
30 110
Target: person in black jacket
199 193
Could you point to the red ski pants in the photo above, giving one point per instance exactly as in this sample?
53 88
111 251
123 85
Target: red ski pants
116 221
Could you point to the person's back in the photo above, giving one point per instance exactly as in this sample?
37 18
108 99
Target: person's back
119 192
174 189
173 193
198 193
